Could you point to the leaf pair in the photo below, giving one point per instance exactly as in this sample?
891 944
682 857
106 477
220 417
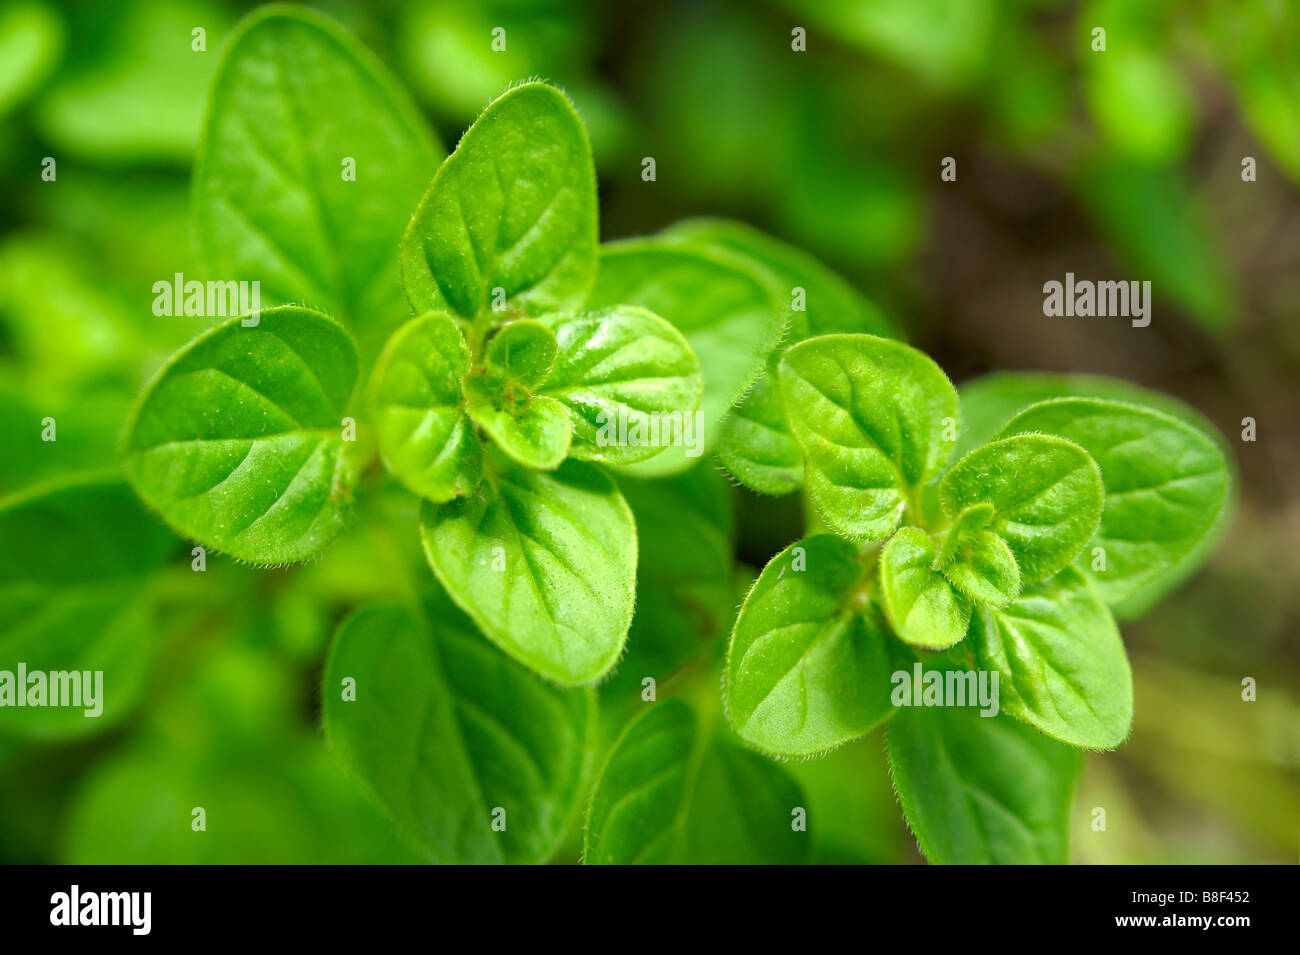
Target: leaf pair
1021 508
612 386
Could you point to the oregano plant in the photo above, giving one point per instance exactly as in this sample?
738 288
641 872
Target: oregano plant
566 662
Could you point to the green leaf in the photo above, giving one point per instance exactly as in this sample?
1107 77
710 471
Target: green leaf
873 418
990 401
544 563
521 354
534 431
756 444
979 790
982 565
1155 222
513 208
1061 663
1046 493
536 434
686 593
623 371
1140 104
238 443
294 99
725 308
446 730
425 437
830 304
76 531
102 638
130 96
225 732
671 792
74 599
921 603
1168 490
810 660
290 804
31 39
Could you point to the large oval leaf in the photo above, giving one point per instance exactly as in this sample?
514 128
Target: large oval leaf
629 380
978 790
513 208
238 442
297 107
1168 489
672 793
1061 662
809 665
725 306
876 420
544 563
475 758
1046 495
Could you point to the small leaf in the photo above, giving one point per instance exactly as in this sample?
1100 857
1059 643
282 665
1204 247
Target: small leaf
544 563
873 418
1046 492
446 731
238 443
623 371
425 438
295 96
726 310
985 570
521 354
922 605
673 793
756 444
1061 663
809 664
536 433
980 790
513 208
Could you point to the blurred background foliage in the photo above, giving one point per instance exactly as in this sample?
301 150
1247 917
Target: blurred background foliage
1122 164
